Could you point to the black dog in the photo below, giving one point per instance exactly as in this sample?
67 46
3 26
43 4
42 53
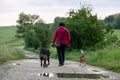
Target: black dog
44 56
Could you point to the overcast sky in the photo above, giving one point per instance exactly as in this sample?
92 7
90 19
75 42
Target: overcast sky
49 9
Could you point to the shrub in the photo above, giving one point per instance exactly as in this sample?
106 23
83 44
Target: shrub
86 30
30 39
43 36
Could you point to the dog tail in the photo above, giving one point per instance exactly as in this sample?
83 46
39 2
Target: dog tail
82 51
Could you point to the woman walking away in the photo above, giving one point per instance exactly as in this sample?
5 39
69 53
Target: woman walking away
61 39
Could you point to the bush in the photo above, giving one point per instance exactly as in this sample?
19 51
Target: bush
31 39
43 36
86 30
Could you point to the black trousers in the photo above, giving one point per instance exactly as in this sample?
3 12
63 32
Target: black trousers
61 54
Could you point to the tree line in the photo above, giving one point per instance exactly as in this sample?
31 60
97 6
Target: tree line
86 30
114 20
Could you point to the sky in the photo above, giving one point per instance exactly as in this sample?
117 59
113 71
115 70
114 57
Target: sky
49 9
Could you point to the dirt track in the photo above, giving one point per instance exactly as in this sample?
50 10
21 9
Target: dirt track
29 69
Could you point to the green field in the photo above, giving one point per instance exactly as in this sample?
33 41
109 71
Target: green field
8 42
7 37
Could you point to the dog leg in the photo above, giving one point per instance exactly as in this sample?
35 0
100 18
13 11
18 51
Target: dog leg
84 64
44 65
80 63
48 61
41 63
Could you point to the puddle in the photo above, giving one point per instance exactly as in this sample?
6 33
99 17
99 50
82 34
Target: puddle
95 70
15 64
72 75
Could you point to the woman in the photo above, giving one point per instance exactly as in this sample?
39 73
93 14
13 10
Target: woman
62 35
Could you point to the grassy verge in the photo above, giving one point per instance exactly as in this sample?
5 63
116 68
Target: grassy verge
7 54
8 42
109 58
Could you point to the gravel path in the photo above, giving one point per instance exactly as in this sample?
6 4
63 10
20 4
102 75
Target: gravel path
29 69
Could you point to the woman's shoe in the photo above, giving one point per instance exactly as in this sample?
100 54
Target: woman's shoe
60 65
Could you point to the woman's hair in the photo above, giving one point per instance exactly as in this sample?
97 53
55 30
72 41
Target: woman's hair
61 24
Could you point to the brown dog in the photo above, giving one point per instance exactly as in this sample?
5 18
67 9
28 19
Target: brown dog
82 60
44 56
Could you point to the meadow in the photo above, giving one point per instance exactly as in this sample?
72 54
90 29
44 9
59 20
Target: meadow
8 43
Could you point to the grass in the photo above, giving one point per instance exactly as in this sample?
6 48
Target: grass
108 58
117 32
7 54
7 37
8 42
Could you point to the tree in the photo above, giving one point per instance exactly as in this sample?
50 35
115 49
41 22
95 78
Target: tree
116 23
25 23
31 39
33 30
109 19
43 35
86 30
39 37
57 20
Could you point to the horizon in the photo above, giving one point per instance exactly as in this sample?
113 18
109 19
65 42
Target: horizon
48 10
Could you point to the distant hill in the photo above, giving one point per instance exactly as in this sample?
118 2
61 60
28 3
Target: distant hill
115 15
